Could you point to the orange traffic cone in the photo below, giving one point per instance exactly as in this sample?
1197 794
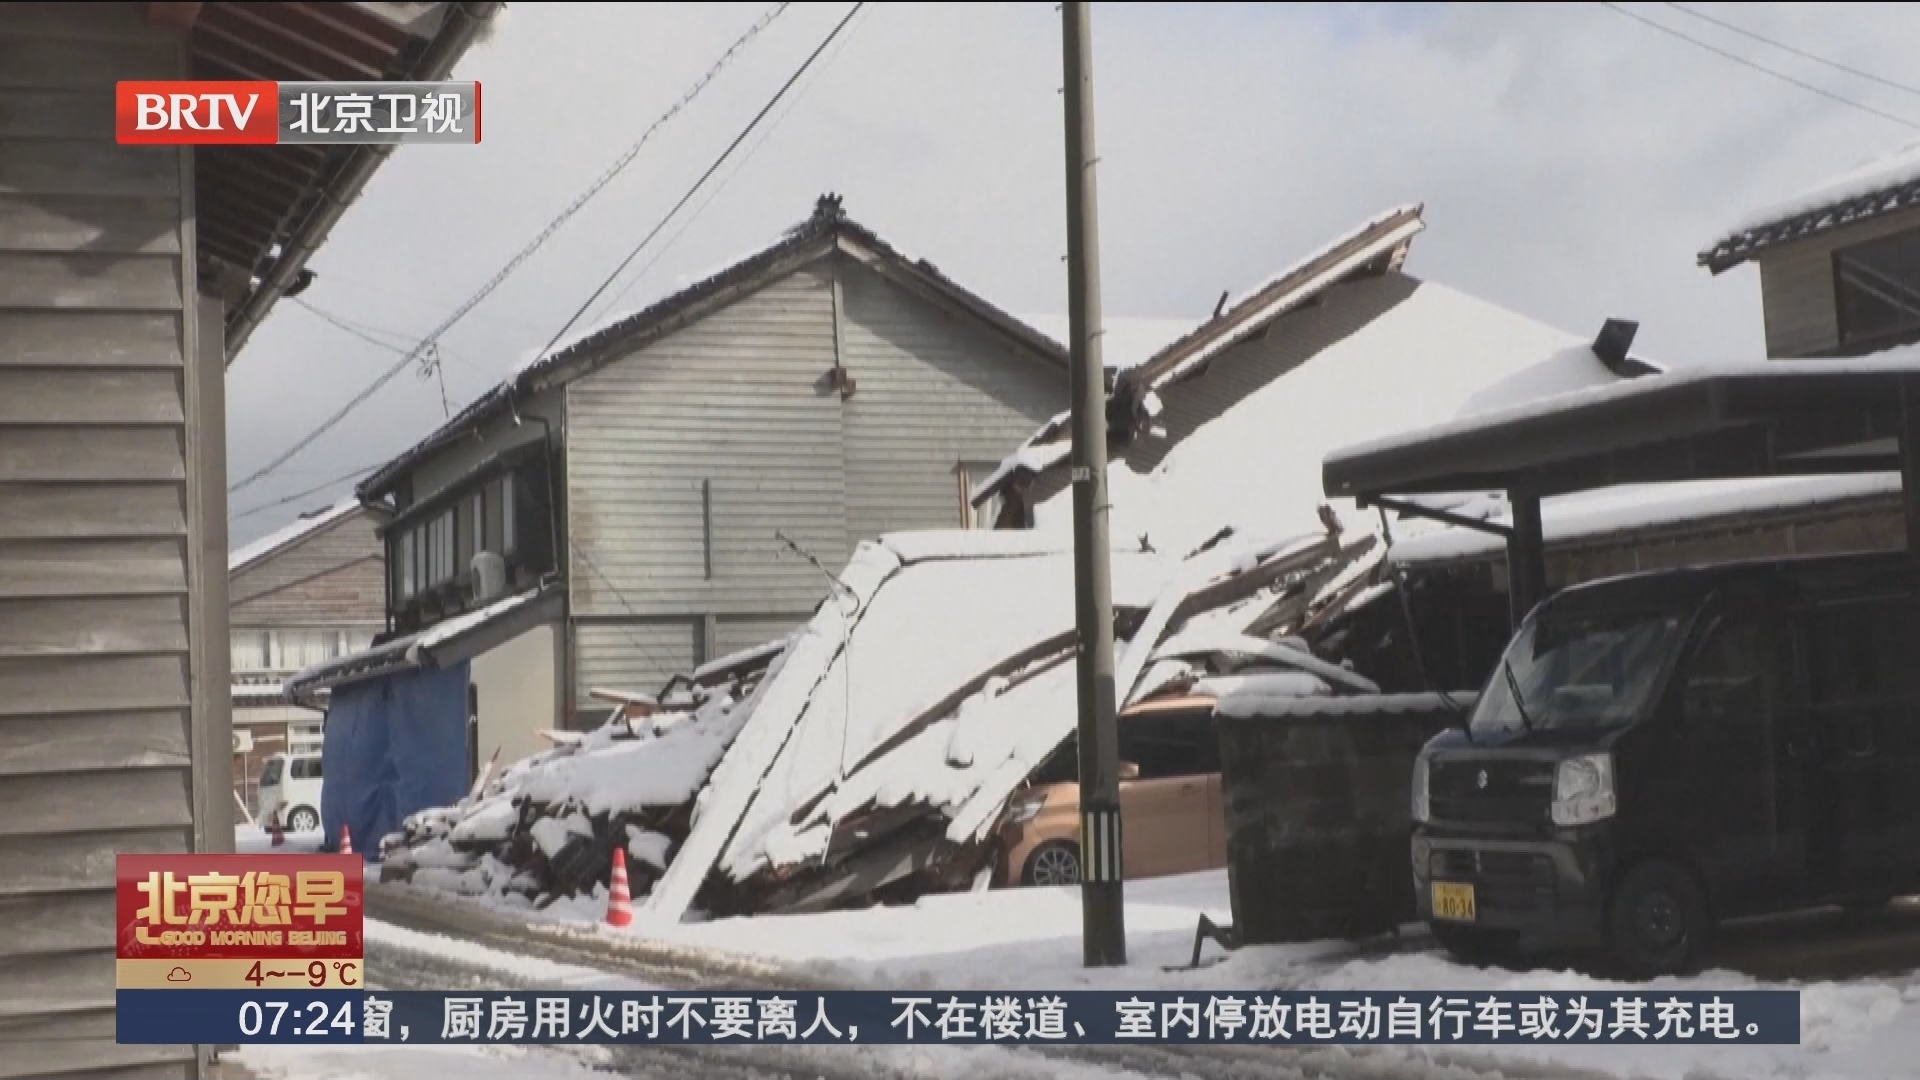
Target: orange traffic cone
619 900
346 841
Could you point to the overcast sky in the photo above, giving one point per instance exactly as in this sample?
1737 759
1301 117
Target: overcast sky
1571 161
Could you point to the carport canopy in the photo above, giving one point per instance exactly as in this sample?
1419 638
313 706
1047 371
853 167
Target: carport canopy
1762 419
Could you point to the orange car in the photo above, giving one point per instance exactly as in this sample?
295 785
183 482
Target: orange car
1171 814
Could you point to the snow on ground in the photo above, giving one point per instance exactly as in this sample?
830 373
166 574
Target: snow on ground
392 1062
253 840
1029 940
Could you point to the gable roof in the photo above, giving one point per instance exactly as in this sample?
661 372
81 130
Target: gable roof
1879 186
1374 248
286 536
827 232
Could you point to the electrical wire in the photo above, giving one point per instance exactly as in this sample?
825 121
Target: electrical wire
298 495
1755 65
1799 52
704 177
728 178
619 165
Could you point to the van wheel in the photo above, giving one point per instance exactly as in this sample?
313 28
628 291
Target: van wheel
1657 922
303 819
1056 862
1473 945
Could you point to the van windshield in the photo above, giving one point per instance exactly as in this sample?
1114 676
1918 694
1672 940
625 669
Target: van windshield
1579 669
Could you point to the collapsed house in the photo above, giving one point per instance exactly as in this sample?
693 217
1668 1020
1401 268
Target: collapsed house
877 754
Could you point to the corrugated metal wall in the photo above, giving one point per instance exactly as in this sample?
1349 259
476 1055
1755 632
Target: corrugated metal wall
96 732
687 458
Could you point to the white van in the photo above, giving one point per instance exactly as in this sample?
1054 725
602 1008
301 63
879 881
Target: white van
289 792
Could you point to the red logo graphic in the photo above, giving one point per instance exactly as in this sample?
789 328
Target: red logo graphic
181 113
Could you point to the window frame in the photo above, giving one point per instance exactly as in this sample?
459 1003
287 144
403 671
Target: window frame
1859 254
987 514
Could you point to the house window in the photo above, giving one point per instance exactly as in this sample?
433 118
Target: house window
496 523
1877 291
440 548
296 650
463 546
409 580
477 513
509 533
987 513
250 651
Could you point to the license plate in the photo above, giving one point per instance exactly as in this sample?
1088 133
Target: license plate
1453 901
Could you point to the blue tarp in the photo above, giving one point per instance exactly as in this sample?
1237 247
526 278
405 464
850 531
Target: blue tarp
393 746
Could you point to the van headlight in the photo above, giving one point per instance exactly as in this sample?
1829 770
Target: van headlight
1422 806
1583 790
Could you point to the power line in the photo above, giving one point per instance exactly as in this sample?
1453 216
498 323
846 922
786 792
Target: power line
705 176
1762 68
1784 47
513 264
436 351
745 159
298 495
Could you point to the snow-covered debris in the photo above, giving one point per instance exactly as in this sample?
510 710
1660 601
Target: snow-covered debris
239 558
546 826
648 847
627 774
1195 642
936 623
1254 695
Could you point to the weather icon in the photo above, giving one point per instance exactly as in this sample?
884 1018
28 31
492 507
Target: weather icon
179 974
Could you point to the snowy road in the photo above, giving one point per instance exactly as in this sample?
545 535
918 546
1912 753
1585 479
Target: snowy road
407 950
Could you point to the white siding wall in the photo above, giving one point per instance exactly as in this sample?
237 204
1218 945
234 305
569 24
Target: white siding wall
96 356
741 401
934 389
514 685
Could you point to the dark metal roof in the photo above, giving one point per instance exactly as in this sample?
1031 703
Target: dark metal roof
1748 244
828 230
435 648
1777 418
261 211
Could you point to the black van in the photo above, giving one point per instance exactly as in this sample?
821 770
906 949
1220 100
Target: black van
1659 752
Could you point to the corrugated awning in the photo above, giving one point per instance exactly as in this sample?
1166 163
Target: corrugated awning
437 647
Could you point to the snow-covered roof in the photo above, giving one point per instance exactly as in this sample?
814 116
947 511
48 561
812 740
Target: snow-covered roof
1126 343
1576 367
1590 515
1876 186
1904 360
301 527
1256 464
427 648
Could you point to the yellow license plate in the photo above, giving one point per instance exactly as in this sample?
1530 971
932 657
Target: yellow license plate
1453 901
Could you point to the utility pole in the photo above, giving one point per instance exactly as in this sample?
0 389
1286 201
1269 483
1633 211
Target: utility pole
1104 930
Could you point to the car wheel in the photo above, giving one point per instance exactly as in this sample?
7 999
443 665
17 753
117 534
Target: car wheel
303 819
1056 862
1472 944
1657 922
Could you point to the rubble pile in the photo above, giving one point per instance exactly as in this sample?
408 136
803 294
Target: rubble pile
546 827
